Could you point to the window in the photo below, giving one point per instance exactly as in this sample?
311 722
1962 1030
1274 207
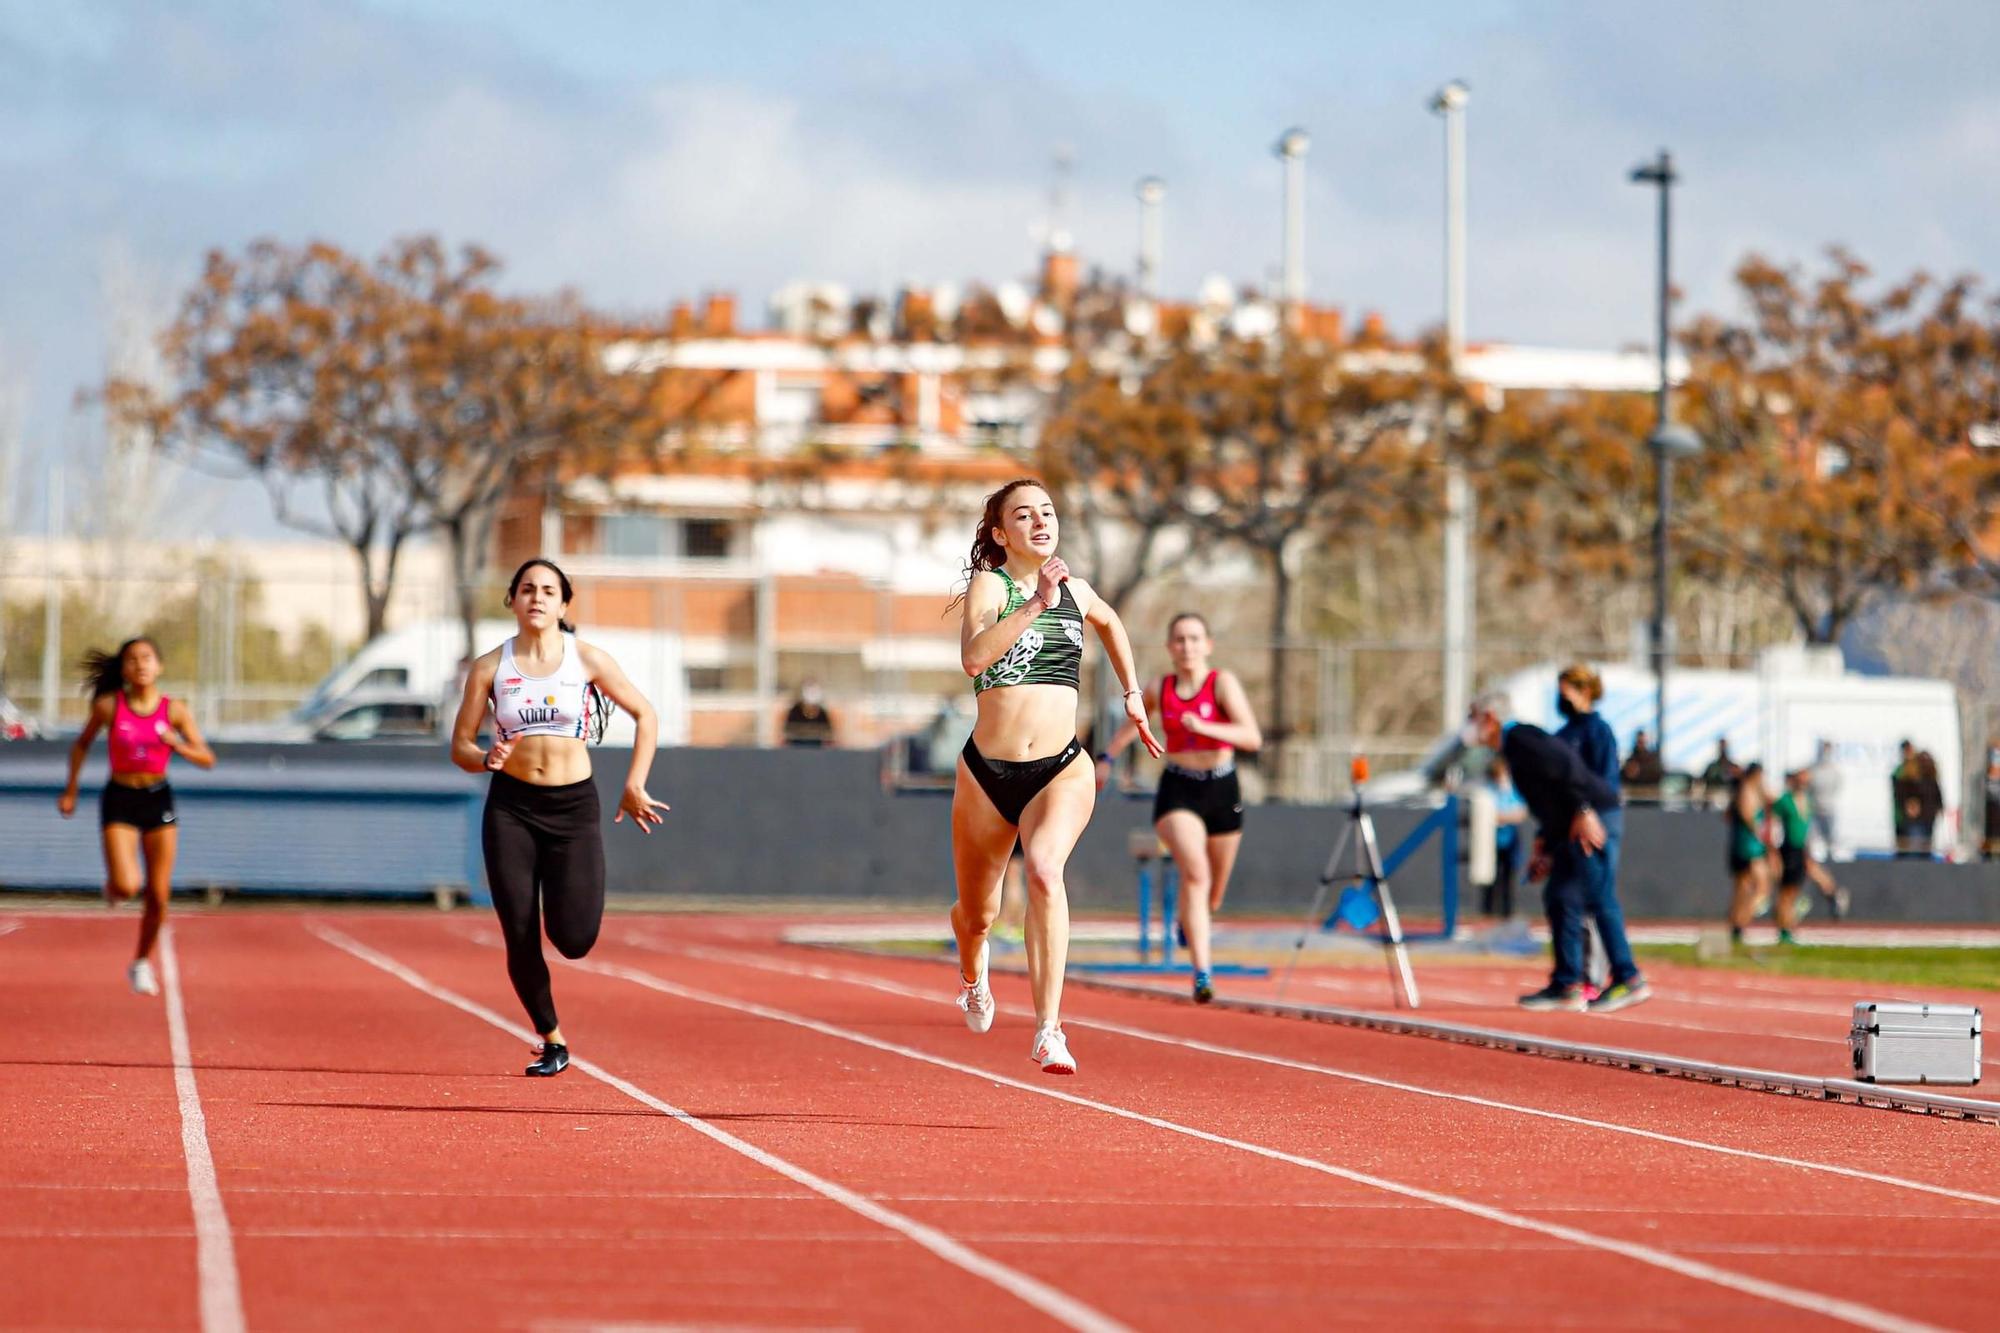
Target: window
385 720
707 538
636 535
388 678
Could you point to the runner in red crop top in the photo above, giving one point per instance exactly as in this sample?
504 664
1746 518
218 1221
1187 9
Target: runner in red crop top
136 813
1205 718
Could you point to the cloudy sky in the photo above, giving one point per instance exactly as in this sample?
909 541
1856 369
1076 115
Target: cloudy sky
643 152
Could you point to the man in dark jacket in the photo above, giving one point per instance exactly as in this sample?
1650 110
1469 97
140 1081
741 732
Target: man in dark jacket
1568 803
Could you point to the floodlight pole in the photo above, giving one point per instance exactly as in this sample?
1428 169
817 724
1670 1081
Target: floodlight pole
1660 174
1459 620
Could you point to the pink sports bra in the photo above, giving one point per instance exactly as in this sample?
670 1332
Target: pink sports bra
136 747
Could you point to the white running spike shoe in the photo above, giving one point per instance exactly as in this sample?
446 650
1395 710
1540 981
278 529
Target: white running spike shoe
976 999
1051 1050
140 974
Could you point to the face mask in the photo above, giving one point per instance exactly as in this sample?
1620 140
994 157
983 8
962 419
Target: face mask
1564 706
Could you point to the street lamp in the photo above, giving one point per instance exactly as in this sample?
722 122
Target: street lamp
1668 442
1449 102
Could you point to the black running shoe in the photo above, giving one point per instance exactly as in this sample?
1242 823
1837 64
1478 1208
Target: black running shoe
552 1061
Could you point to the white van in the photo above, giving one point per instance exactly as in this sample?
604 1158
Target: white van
422 659
1778 715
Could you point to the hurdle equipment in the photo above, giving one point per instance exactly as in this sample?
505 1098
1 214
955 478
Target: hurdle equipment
1370 881
1159 884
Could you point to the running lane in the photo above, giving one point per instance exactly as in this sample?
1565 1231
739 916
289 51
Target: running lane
386 1166
1838 1236
96 1228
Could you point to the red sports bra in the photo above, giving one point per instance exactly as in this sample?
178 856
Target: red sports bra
1203 705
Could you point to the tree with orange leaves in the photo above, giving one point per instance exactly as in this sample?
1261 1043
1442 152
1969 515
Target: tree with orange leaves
405 395
1837 424
1299 443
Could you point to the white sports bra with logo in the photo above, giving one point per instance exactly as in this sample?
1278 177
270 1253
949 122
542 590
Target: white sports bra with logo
556 705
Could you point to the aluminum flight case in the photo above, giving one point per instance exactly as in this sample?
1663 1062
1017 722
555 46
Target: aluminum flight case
1915 1043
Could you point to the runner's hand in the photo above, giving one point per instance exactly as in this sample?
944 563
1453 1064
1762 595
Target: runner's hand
66 804
643 809
1135 712
1050 578
497 757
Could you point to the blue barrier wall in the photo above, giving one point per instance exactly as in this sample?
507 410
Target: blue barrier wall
796 824
362 819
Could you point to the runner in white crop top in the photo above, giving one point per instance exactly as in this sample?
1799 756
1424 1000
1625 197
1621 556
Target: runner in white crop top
557 705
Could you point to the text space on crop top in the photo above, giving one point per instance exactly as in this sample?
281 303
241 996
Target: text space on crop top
136 747
555 705
1174 711
1049 651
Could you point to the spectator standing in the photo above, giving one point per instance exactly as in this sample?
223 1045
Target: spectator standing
1722 771
1643 767
1568 803
1824 788
807 723
1578 689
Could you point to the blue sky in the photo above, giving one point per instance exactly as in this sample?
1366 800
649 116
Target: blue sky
646 152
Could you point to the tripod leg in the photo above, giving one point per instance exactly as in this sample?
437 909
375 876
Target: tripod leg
1327 878
1400 972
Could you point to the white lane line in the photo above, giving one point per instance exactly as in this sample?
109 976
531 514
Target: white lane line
820 973
9 927
1057 1305
1832 1307
214 1249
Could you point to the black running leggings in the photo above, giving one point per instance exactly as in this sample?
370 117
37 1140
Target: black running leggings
544 863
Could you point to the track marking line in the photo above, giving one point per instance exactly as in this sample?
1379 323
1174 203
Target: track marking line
214 1249
1031 1291
1832 1307
821 973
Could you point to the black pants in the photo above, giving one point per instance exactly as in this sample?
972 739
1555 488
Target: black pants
544 862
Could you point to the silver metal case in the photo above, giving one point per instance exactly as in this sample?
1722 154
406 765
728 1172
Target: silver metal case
1915 1043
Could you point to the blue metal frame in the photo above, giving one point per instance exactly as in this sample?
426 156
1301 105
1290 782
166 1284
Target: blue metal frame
1443 822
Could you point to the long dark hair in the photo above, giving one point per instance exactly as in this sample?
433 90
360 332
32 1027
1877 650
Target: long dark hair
104 673
987 552
597 706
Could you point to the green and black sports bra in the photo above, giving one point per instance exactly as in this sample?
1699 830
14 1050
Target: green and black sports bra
1049 651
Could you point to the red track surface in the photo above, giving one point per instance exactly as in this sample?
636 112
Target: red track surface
383 1165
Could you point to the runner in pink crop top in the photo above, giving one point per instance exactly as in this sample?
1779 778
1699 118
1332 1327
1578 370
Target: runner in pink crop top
136 813
138 745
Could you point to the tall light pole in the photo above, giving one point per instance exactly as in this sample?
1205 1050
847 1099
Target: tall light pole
1291 150
1458 621
1667 441
1152 193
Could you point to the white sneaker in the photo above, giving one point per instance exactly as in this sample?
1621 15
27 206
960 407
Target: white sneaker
1051 1051
140 974
977 999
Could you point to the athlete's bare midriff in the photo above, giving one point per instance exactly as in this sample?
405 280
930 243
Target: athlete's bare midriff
1022 722
1202 761
549 761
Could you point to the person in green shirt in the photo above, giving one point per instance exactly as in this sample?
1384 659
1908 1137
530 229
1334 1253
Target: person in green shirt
1794 814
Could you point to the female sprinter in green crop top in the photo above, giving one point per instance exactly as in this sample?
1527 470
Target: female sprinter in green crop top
1023 774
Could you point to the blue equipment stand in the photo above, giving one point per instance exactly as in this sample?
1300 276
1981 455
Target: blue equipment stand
1147 852
1368 886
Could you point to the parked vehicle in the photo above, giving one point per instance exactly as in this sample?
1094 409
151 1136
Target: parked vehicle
424 661
16 725
1778 715
365 715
